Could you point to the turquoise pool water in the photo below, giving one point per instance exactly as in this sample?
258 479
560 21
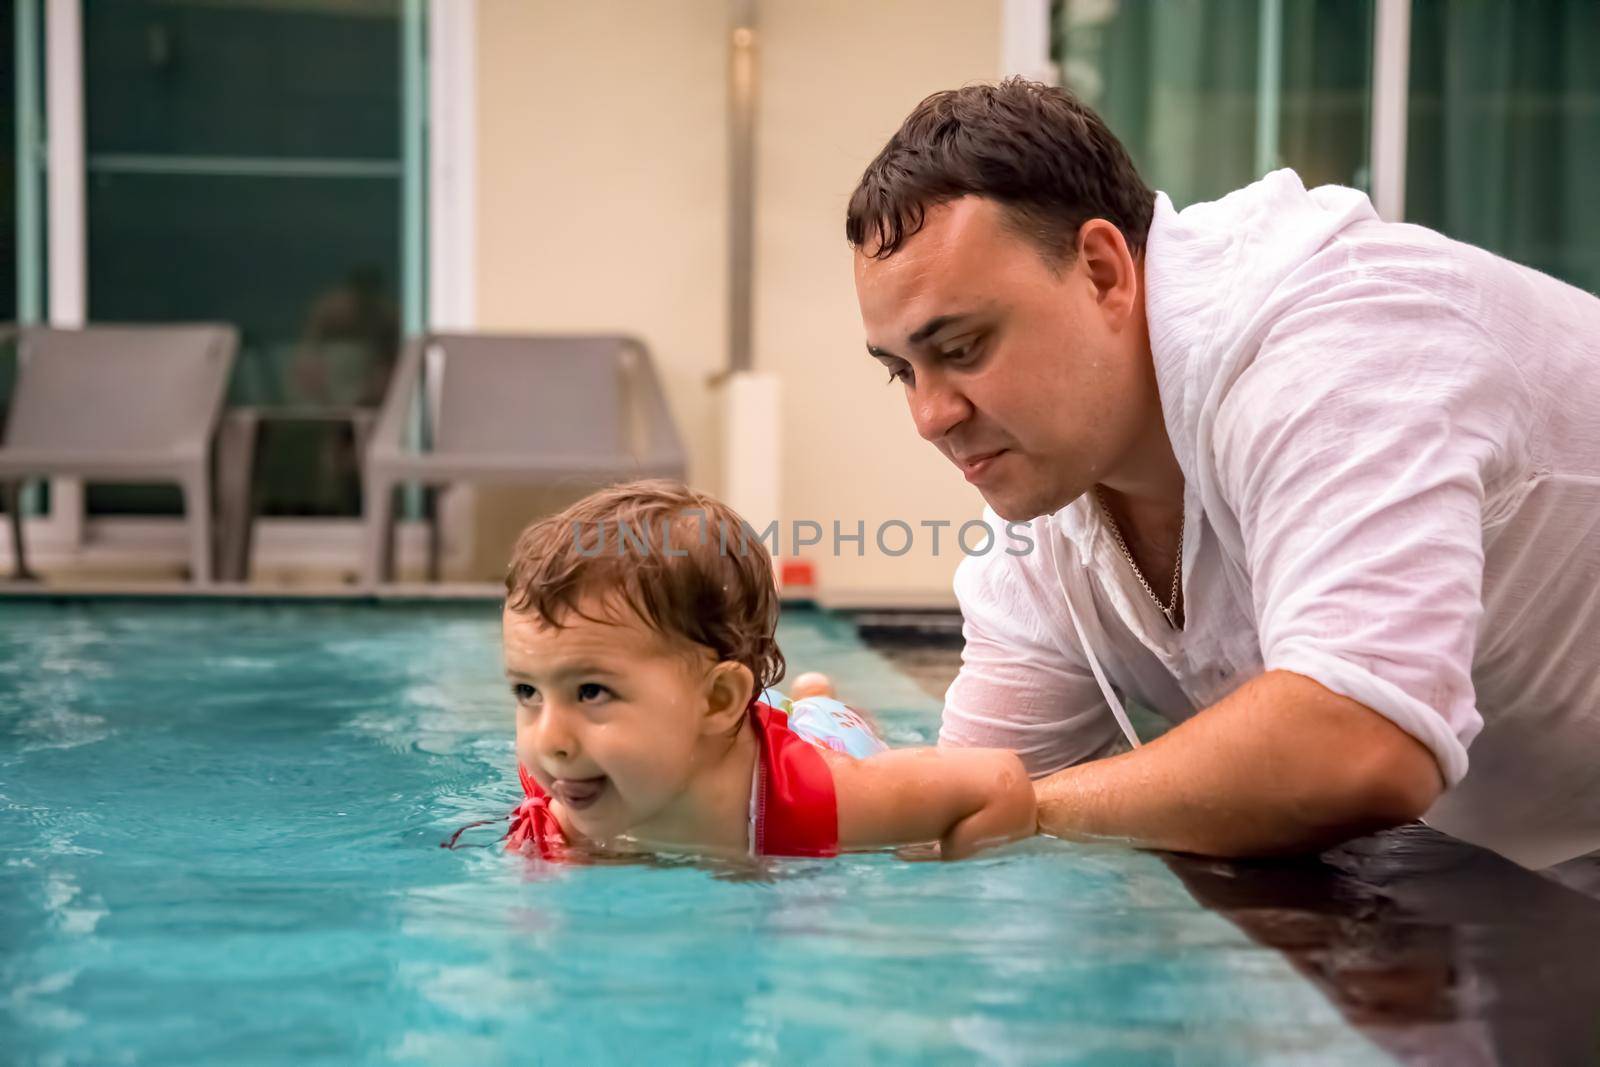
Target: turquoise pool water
219 831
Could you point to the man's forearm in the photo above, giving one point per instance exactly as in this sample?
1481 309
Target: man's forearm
1281 765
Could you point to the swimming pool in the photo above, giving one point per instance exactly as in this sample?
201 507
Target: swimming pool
220 825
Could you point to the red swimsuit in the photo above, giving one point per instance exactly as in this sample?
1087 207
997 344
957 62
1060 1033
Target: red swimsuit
794 813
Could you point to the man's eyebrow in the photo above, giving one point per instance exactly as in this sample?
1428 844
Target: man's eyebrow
933 326
921 333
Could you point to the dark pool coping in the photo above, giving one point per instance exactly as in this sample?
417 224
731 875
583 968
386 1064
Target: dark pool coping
1438 951
245 593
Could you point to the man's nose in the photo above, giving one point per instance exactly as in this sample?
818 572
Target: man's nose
937 409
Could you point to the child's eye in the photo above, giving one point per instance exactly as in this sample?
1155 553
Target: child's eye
592 691
524 692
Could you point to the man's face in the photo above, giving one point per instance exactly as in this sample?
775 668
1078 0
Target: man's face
1024 376
610 718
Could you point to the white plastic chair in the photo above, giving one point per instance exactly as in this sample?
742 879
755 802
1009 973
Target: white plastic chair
119 404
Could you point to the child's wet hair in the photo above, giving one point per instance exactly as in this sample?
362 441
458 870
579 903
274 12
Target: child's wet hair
684 563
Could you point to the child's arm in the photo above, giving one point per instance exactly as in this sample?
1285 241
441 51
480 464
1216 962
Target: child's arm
964 798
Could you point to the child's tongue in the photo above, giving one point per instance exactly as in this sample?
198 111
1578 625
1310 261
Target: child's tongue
578 792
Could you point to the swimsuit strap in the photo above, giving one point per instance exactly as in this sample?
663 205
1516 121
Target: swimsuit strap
534 824
797 809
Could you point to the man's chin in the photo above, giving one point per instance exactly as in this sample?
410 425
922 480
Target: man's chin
1012 507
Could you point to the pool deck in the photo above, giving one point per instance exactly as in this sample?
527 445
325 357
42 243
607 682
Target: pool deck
247 592
257 593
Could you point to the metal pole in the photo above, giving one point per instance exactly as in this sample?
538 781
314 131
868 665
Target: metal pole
412 147
452 165
29 140
66 238
413 189
1025 41
30 232
1269 85
1391 91
741 185
64 116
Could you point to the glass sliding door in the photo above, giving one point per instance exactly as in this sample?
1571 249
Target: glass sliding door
22 184
9 208
9 135
1208 95
247 163
1504 129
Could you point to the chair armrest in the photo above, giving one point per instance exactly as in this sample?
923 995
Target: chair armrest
388 435
663 444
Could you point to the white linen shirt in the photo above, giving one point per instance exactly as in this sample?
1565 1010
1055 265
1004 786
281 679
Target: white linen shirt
1391 448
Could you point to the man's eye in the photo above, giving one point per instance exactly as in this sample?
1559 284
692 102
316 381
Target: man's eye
524 692
589 691
899 374
961 353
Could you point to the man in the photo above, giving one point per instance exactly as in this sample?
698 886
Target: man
1323 491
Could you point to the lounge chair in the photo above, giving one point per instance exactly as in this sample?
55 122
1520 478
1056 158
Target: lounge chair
578 411
119 404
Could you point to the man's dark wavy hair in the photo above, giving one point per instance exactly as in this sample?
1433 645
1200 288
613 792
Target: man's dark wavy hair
1035 149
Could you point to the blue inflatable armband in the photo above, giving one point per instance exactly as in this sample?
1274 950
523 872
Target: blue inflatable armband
829 723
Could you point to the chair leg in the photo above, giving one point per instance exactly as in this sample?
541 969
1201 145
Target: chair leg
236 448
378 565
430 503
197 504
19 560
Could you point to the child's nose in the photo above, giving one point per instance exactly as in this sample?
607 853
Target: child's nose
555 738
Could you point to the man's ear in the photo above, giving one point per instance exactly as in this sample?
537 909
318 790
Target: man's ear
729 689
1105 259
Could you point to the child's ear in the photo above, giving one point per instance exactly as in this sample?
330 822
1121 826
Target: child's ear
729 690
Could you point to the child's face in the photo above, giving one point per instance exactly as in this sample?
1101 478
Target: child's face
610 718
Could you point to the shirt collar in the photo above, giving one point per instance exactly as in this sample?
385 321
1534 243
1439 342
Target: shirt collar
1079 523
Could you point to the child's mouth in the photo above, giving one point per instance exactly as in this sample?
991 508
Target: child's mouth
578 793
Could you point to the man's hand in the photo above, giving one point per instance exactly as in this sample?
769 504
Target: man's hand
1281 765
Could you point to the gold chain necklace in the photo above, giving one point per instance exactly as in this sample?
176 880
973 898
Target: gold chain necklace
1169 609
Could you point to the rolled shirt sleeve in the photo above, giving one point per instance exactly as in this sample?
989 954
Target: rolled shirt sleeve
1020 687
1357 451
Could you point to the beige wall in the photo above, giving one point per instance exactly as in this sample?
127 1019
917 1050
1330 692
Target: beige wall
837 79
602 201
602 205
602 182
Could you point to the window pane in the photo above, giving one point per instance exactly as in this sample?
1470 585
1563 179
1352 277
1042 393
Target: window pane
1183 84
1325 125
244 167
232 78
296 263
1504 130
